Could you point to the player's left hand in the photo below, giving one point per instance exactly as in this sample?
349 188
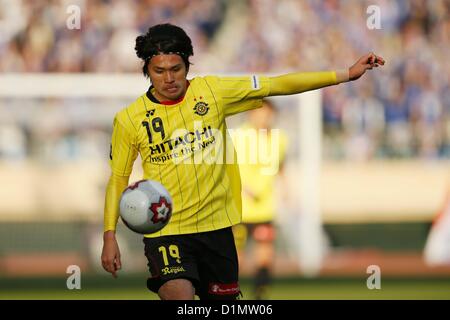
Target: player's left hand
366 62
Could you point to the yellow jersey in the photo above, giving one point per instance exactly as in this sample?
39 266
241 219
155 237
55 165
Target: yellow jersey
177 142
185 146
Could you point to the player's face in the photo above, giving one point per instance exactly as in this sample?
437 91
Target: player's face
168 75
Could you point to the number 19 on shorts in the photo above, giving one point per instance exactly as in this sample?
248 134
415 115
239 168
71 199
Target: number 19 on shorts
171 252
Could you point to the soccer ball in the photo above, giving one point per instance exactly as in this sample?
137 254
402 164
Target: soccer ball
145 206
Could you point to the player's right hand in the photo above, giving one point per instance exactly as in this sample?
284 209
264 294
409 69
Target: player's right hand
366 62
111 253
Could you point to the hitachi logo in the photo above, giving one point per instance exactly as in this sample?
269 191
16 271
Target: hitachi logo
187 138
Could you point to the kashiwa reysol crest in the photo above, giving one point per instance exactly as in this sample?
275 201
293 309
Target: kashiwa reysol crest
201 108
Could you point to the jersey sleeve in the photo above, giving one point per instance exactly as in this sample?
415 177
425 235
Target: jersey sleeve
299 82
121 158
114 189
244 93
124 150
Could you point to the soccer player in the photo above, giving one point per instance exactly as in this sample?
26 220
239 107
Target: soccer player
177 126
258 193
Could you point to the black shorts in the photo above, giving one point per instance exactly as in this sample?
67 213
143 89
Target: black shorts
208 259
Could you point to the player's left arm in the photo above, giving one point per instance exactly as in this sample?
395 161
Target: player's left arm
122 156
304 81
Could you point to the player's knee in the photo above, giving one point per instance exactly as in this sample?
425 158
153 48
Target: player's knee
177 289
264 233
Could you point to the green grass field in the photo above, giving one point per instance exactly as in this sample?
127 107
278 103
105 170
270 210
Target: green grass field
133 288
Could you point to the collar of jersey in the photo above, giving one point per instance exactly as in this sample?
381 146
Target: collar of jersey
152 98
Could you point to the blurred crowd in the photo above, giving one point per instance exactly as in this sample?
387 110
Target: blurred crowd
400 111
42 35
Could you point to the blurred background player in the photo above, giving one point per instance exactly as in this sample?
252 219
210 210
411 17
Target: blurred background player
259 198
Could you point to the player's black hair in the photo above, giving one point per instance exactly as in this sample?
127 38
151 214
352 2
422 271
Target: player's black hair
163 39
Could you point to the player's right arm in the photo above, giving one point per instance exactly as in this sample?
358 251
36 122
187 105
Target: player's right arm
294 83
122 156
240 94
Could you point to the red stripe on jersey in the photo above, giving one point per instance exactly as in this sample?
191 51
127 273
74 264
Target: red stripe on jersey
171 102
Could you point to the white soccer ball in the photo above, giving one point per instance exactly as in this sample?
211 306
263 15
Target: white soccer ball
146 206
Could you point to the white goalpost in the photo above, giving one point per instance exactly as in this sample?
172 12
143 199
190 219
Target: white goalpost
310 222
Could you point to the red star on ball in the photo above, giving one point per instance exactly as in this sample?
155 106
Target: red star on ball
161 210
